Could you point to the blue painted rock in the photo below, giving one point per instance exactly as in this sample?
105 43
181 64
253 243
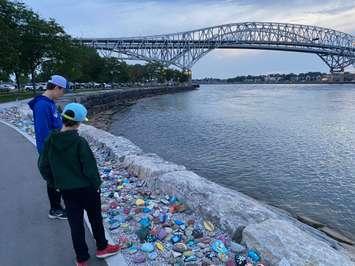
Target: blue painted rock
147 247
152 255
254 256
175 238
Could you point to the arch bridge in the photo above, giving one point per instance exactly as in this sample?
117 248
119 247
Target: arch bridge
184 49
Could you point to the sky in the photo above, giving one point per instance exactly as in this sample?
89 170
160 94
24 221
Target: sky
128 18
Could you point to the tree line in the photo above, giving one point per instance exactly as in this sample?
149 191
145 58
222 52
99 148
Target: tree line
34 48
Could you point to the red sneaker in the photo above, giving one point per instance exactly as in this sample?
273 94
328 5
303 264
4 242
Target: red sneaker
84 263
108 251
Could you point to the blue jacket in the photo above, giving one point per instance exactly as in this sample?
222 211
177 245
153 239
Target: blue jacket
46 118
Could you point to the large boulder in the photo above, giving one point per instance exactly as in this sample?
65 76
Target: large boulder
149 165
280 240
225 207
116 145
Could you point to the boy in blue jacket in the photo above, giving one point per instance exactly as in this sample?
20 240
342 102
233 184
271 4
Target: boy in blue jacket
46 119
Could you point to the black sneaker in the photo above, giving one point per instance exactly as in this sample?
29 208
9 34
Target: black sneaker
57 214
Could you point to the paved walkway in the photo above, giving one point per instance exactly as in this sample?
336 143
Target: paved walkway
27 236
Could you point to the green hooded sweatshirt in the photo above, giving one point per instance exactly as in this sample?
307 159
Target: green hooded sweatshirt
67 162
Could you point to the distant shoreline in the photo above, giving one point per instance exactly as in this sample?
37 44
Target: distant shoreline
224 83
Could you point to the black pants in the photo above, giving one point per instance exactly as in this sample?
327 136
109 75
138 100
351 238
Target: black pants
54 198
76 201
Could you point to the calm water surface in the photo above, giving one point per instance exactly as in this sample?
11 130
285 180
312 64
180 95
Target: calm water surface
292 146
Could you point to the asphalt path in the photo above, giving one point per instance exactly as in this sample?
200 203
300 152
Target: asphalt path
27 236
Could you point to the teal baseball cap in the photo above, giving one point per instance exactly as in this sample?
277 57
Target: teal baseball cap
79 111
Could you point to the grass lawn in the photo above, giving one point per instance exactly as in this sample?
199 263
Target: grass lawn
12 96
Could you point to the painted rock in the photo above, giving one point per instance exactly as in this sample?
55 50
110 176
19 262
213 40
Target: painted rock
126 210
190 259
164 201
113 205
175 238
147 210
132 250
180 247
178 222
160 246
188 253
152 255
145 222
240 260
172 199
219 247
191 222
223 257
197 233
142 233
139 258
230 262
147 247
162 217
253 256
115 226
205 240
156 213
176 254
140 202
208 226
162 234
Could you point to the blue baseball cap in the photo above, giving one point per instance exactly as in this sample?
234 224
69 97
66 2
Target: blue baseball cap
79 111
59 81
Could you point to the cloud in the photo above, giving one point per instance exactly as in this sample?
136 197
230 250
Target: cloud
114 18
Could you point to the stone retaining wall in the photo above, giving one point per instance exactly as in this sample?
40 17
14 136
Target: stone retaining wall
100 101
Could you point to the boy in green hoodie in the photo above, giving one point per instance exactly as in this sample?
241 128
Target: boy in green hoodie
68 164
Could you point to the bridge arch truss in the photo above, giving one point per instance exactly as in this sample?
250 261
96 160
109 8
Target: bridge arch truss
184 49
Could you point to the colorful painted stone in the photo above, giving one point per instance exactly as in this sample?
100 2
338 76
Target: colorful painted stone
147 247
114 226
190 259
150 238
162 234
178 222
254 256
140 202
132 250
240 260
208 226
197 233
160 246
145 222
142 233
152 255
175 238
139 258
219 247
147 210
180 247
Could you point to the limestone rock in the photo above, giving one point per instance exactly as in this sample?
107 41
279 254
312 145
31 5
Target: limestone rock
116 145
149 165
228 208
280 239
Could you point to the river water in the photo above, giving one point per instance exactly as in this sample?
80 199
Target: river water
292 146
